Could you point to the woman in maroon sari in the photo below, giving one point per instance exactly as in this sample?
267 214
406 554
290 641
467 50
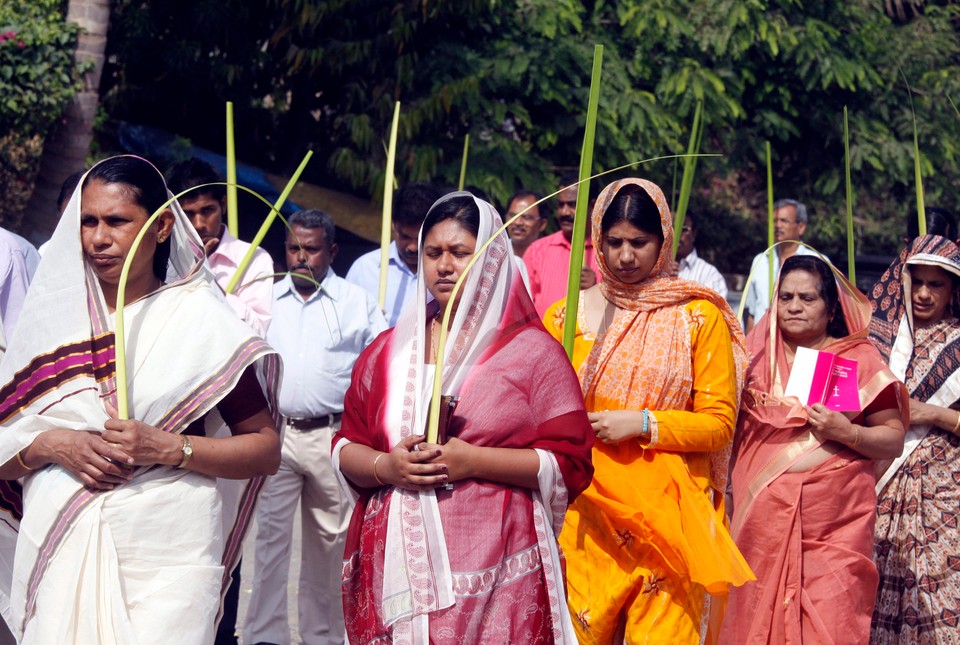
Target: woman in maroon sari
478 563
803 479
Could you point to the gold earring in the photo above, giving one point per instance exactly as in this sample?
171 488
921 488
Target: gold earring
162 239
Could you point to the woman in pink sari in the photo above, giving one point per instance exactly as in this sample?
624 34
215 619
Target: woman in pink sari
803 480
478 563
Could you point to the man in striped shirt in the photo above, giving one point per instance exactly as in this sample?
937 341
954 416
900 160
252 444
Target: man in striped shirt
692 266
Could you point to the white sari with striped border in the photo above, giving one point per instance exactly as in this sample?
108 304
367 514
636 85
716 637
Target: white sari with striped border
148 561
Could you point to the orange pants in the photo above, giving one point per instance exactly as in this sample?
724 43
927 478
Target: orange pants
619 591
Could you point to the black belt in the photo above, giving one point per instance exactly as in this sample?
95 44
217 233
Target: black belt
313 423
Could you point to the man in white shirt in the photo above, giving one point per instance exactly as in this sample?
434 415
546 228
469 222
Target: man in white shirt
321 324
14 282
790 222
206 208
31 258
692 266
410 206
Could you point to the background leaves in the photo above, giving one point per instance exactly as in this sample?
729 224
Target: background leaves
514 74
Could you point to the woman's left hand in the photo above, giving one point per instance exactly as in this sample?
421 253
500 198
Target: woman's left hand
829 425
614 426
456 455
146 444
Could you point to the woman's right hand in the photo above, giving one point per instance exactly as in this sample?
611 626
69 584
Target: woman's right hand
98 464
407 467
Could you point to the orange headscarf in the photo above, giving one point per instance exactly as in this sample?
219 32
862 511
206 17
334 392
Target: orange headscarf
657 375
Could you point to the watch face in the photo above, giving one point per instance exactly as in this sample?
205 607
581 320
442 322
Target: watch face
188 449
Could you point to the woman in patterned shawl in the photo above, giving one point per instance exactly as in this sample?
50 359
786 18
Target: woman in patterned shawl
915 326
478 563
661 363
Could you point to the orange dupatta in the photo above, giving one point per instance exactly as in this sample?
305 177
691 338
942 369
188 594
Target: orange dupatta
643 361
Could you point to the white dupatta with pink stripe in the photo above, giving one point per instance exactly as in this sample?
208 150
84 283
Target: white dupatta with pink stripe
147 561
417 578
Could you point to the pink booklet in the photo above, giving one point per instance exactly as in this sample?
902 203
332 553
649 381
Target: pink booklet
822 377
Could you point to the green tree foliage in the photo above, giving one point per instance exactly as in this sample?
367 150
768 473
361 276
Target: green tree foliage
38 76
514 74
37 71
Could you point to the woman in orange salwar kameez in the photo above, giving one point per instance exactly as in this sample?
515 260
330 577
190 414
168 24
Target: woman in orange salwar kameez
660 361
803 481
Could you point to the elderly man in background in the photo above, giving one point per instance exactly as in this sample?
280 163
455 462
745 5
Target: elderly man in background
790 222
320 325
529 226
692 266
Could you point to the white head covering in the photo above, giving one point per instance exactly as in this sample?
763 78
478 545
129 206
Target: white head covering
58 372
417 560
65 306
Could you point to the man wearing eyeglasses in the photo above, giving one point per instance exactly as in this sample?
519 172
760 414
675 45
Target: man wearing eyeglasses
692 266
548 259
789 223
528 227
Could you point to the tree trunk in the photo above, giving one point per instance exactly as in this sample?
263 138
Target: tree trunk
65 150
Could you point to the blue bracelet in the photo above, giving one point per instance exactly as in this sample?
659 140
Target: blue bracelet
646 423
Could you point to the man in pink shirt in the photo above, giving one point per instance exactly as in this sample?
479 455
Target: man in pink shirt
548 259
252 300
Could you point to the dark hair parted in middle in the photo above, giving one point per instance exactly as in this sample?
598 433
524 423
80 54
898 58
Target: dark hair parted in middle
462 209
826 287
146 189
632 204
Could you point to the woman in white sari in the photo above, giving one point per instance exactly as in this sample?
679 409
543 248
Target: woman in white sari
129 530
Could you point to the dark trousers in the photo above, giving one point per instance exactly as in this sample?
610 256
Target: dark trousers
227 631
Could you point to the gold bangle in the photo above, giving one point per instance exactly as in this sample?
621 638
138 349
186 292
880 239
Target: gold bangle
375 476
22 462
856 440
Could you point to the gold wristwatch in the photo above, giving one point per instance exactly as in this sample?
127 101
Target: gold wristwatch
187 451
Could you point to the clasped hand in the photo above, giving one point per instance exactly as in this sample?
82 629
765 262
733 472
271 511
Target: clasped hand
104 460
415 464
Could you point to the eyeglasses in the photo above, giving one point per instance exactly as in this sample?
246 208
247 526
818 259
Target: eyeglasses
526 217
